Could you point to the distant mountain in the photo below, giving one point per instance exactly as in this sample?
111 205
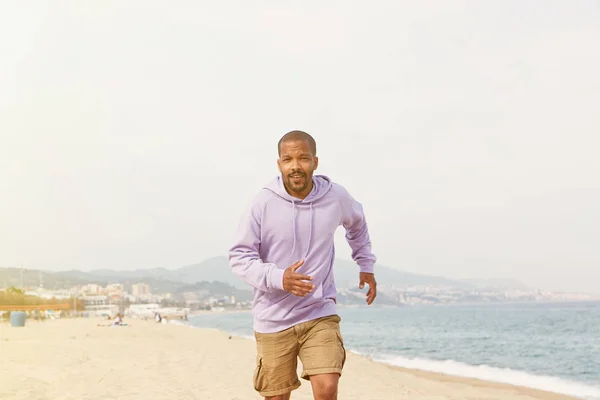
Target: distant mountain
345 272
217 269
346 275
209 270
160 280
157 282
31 277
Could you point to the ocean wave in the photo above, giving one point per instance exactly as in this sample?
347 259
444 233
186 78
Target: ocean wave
178 322
493 374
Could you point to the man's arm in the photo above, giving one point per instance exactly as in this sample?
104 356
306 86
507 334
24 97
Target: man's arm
357 233
244 257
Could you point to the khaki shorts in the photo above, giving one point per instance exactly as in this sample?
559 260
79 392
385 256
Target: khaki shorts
319 345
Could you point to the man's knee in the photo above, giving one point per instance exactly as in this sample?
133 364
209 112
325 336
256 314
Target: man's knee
280 397
325 386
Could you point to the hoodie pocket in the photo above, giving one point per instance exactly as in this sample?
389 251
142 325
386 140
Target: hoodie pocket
342 348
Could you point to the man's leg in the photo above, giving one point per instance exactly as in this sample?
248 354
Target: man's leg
323 355
276 362
282 397
325 386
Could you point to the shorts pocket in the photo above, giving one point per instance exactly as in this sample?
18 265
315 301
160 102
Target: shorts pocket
258 379
342 348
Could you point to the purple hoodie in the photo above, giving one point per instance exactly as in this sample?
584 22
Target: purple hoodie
277 231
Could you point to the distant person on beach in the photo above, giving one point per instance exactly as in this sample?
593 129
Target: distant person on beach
284 248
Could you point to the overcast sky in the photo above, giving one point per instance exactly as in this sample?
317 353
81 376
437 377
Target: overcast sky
134 133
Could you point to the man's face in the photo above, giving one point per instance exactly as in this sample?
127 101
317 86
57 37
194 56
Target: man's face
297 163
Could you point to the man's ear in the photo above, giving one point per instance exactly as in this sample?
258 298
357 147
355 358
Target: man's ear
316 163
279 164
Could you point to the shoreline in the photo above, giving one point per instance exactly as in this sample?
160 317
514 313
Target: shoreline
437 375
79 358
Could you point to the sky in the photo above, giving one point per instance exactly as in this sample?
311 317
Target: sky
133 134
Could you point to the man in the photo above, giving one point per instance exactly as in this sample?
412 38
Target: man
284 248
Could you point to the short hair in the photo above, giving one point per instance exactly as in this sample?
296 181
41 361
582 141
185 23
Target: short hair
298 135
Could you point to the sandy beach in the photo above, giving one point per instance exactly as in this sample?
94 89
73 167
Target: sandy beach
77 359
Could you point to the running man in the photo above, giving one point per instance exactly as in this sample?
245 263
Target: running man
284 249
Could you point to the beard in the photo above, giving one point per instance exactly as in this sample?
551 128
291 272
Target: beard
297 181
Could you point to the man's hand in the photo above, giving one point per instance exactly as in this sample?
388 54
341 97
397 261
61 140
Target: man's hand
369 279
295 283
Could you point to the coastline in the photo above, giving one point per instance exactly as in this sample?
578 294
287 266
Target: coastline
77 358
450 364
442 376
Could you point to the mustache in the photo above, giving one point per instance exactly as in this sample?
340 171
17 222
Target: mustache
296 173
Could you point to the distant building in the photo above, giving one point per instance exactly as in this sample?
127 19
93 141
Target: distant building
114 288
91 289
98 305
140 290
93 301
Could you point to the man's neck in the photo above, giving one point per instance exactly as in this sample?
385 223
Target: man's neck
302 195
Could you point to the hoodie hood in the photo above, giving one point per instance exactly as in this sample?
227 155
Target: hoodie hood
321 186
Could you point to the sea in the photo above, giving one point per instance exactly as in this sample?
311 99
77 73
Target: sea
548 346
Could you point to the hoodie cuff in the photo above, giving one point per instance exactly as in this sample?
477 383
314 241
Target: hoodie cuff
367 268
276 278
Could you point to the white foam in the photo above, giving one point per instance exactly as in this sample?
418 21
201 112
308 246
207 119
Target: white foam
177 322
493 374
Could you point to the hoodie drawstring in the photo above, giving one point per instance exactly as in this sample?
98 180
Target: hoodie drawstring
309 232
293 226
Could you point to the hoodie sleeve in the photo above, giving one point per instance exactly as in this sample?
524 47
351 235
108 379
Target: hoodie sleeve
357 232
244 257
